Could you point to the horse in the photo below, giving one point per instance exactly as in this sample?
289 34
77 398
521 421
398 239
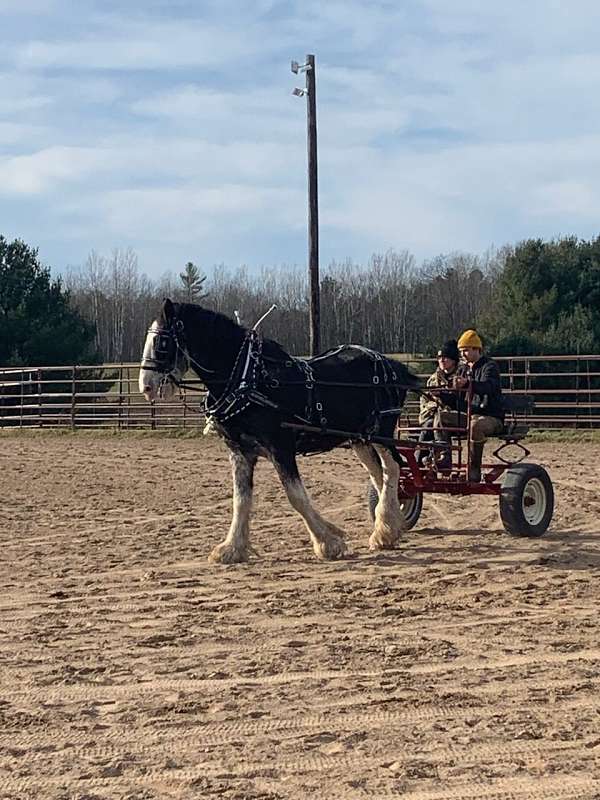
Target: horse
265 403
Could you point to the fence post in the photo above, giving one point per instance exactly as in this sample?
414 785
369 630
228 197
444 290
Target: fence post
39 387
73 398
589 386
2 399
120 396
22 399
577 387
128 415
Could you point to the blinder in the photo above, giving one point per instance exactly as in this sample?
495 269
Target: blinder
164 348
165 344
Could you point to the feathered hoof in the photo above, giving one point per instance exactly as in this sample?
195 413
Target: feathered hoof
384 538
226 553
331 548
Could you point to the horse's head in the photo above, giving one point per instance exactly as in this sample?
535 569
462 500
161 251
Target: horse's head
164 360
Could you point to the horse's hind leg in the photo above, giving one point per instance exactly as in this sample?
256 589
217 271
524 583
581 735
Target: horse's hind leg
234 548
327 539
389 519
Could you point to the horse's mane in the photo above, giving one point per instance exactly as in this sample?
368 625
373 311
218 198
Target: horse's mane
225 329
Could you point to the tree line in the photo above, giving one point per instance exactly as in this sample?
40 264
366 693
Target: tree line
534 297
390 303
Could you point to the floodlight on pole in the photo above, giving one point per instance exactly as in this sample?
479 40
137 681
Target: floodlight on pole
296 67
299 92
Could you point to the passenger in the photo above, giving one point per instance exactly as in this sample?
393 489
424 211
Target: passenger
487 411
448 358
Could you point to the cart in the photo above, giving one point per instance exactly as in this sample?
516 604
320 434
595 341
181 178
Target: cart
524 489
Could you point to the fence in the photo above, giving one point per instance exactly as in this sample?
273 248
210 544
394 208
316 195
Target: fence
566 390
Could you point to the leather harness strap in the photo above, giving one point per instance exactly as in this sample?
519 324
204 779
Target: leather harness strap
242 386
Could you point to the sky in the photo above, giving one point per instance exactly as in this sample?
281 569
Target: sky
171 128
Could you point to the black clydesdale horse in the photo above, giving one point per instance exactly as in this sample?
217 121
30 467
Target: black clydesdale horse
256 394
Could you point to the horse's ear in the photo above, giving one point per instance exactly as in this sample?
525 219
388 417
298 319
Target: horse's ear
168 310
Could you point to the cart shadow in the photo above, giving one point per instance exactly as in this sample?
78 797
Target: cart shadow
560 549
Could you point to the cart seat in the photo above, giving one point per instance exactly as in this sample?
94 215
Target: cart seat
515 429
514 432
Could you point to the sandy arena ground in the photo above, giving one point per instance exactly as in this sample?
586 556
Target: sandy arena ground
463 665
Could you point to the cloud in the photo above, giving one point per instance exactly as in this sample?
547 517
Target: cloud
13 134
27 7
265 113
186 213
441 126
128 44
563 199
45 170
473 195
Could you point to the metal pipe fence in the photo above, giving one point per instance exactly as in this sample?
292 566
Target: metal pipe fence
566 390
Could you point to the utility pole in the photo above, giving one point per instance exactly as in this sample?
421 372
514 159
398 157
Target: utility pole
310 91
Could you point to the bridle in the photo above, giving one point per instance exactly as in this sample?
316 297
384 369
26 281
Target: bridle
167 344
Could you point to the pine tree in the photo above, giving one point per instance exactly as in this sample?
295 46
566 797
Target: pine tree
38 327
192 281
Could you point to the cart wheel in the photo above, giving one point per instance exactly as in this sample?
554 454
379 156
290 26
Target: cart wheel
411 506
526 500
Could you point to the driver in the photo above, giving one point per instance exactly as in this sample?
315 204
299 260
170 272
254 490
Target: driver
487 411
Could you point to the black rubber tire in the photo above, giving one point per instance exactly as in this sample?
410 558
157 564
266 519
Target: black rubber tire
526 501
412 506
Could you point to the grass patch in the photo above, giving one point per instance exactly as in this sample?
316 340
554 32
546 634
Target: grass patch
107 433
563 435
550 435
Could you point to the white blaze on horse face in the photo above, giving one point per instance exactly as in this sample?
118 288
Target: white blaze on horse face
149 381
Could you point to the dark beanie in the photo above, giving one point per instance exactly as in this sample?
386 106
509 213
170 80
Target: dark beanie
450 350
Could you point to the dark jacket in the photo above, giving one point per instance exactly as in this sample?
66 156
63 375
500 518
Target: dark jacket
487 394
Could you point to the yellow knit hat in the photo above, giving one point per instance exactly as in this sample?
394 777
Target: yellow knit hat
470 338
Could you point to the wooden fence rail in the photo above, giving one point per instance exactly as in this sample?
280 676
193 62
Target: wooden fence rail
566 390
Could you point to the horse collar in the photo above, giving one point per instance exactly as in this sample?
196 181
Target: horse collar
241 388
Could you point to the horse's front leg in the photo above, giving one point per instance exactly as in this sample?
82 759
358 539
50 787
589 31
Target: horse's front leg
327 539
367 455
389 519
235 547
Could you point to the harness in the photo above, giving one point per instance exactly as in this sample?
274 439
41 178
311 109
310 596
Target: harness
250 370
243 386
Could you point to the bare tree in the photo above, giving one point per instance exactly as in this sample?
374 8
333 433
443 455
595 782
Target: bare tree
389 303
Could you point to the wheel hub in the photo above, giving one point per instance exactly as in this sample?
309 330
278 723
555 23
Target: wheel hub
534 501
